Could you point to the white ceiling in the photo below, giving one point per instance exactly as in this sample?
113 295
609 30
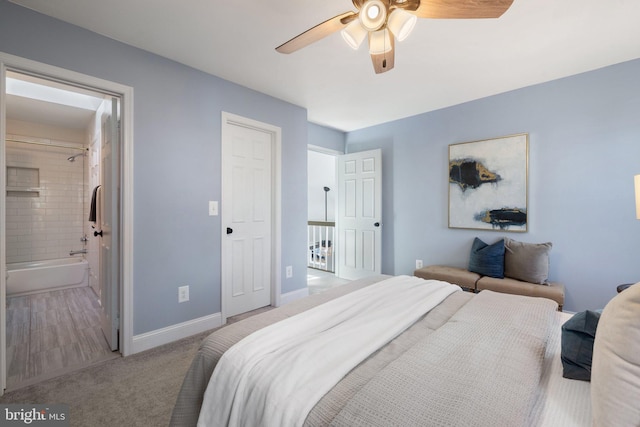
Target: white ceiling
442 63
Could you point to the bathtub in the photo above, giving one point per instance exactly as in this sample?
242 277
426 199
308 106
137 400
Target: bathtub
38 276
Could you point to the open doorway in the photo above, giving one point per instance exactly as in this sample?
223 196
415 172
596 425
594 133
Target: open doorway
321 235
62 164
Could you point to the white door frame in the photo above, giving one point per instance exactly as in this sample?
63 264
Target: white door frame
22 65
229 119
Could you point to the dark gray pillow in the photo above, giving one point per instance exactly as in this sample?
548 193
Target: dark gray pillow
528 262
487 260
578 336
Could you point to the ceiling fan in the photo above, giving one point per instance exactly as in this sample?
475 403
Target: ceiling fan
384 21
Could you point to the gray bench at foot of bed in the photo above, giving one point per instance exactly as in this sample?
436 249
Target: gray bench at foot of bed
476 283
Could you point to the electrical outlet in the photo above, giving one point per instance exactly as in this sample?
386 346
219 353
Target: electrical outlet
289 272
418 264
183 293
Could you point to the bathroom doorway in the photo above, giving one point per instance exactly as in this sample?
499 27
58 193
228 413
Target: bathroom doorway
61 226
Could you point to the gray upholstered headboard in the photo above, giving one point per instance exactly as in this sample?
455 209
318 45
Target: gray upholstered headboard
615 372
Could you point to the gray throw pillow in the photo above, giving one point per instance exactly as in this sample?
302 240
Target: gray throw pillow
528 262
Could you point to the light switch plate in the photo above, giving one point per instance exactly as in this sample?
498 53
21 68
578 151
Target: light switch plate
183 293
213 208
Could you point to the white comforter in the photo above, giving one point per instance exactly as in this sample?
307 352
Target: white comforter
276 375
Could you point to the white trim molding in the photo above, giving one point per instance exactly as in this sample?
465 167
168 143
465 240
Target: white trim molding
172 333
323 150
3 255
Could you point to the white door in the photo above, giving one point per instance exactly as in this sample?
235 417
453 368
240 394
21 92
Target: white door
246 218
109 241
359 220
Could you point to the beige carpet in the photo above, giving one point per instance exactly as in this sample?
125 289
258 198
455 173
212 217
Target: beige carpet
138 390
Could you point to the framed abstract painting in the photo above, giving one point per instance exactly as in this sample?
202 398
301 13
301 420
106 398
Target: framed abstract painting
488 184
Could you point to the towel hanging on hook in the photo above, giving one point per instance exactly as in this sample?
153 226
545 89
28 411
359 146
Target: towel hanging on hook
94 202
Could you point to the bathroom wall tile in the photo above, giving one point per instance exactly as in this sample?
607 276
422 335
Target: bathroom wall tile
22 244
51 224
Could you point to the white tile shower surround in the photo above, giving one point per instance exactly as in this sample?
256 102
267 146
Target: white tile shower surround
51 333
50 224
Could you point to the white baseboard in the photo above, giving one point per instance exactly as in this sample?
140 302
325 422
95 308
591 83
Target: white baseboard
294 295
173 333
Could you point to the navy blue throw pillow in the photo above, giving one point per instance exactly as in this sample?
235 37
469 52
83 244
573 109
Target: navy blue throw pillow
487 260
578 336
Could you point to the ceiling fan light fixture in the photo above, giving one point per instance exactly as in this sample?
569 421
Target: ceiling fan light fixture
373 15
354 34
401 23
373 11
379 42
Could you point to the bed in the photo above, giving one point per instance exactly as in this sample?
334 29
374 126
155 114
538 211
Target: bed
473 359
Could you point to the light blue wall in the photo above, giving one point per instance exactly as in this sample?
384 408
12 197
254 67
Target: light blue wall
177 117
584 151
325 137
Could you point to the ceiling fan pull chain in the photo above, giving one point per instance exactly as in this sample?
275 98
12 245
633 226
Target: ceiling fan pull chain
384 50
384 60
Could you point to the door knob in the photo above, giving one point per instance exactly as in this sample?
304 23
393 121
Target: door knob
377 224
229 230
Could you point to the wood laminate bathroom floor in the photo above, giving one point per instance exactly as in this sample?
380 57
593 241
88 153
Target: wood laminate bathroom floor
52 333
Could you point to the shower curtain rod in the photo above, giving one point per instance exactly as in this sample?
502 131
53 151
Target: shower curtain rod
44 144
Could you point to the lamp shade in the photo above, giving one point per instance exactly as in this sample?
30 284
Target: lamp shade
637 182
353 34
401 23
379 42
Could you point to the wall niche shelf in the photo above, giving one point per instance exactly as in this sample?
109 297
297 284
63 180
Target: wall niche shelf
23 182
23 192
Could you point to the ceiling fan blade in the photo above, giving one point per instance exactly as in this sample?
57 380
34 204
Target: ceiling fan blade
318 32
383 62
461 9
358 3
